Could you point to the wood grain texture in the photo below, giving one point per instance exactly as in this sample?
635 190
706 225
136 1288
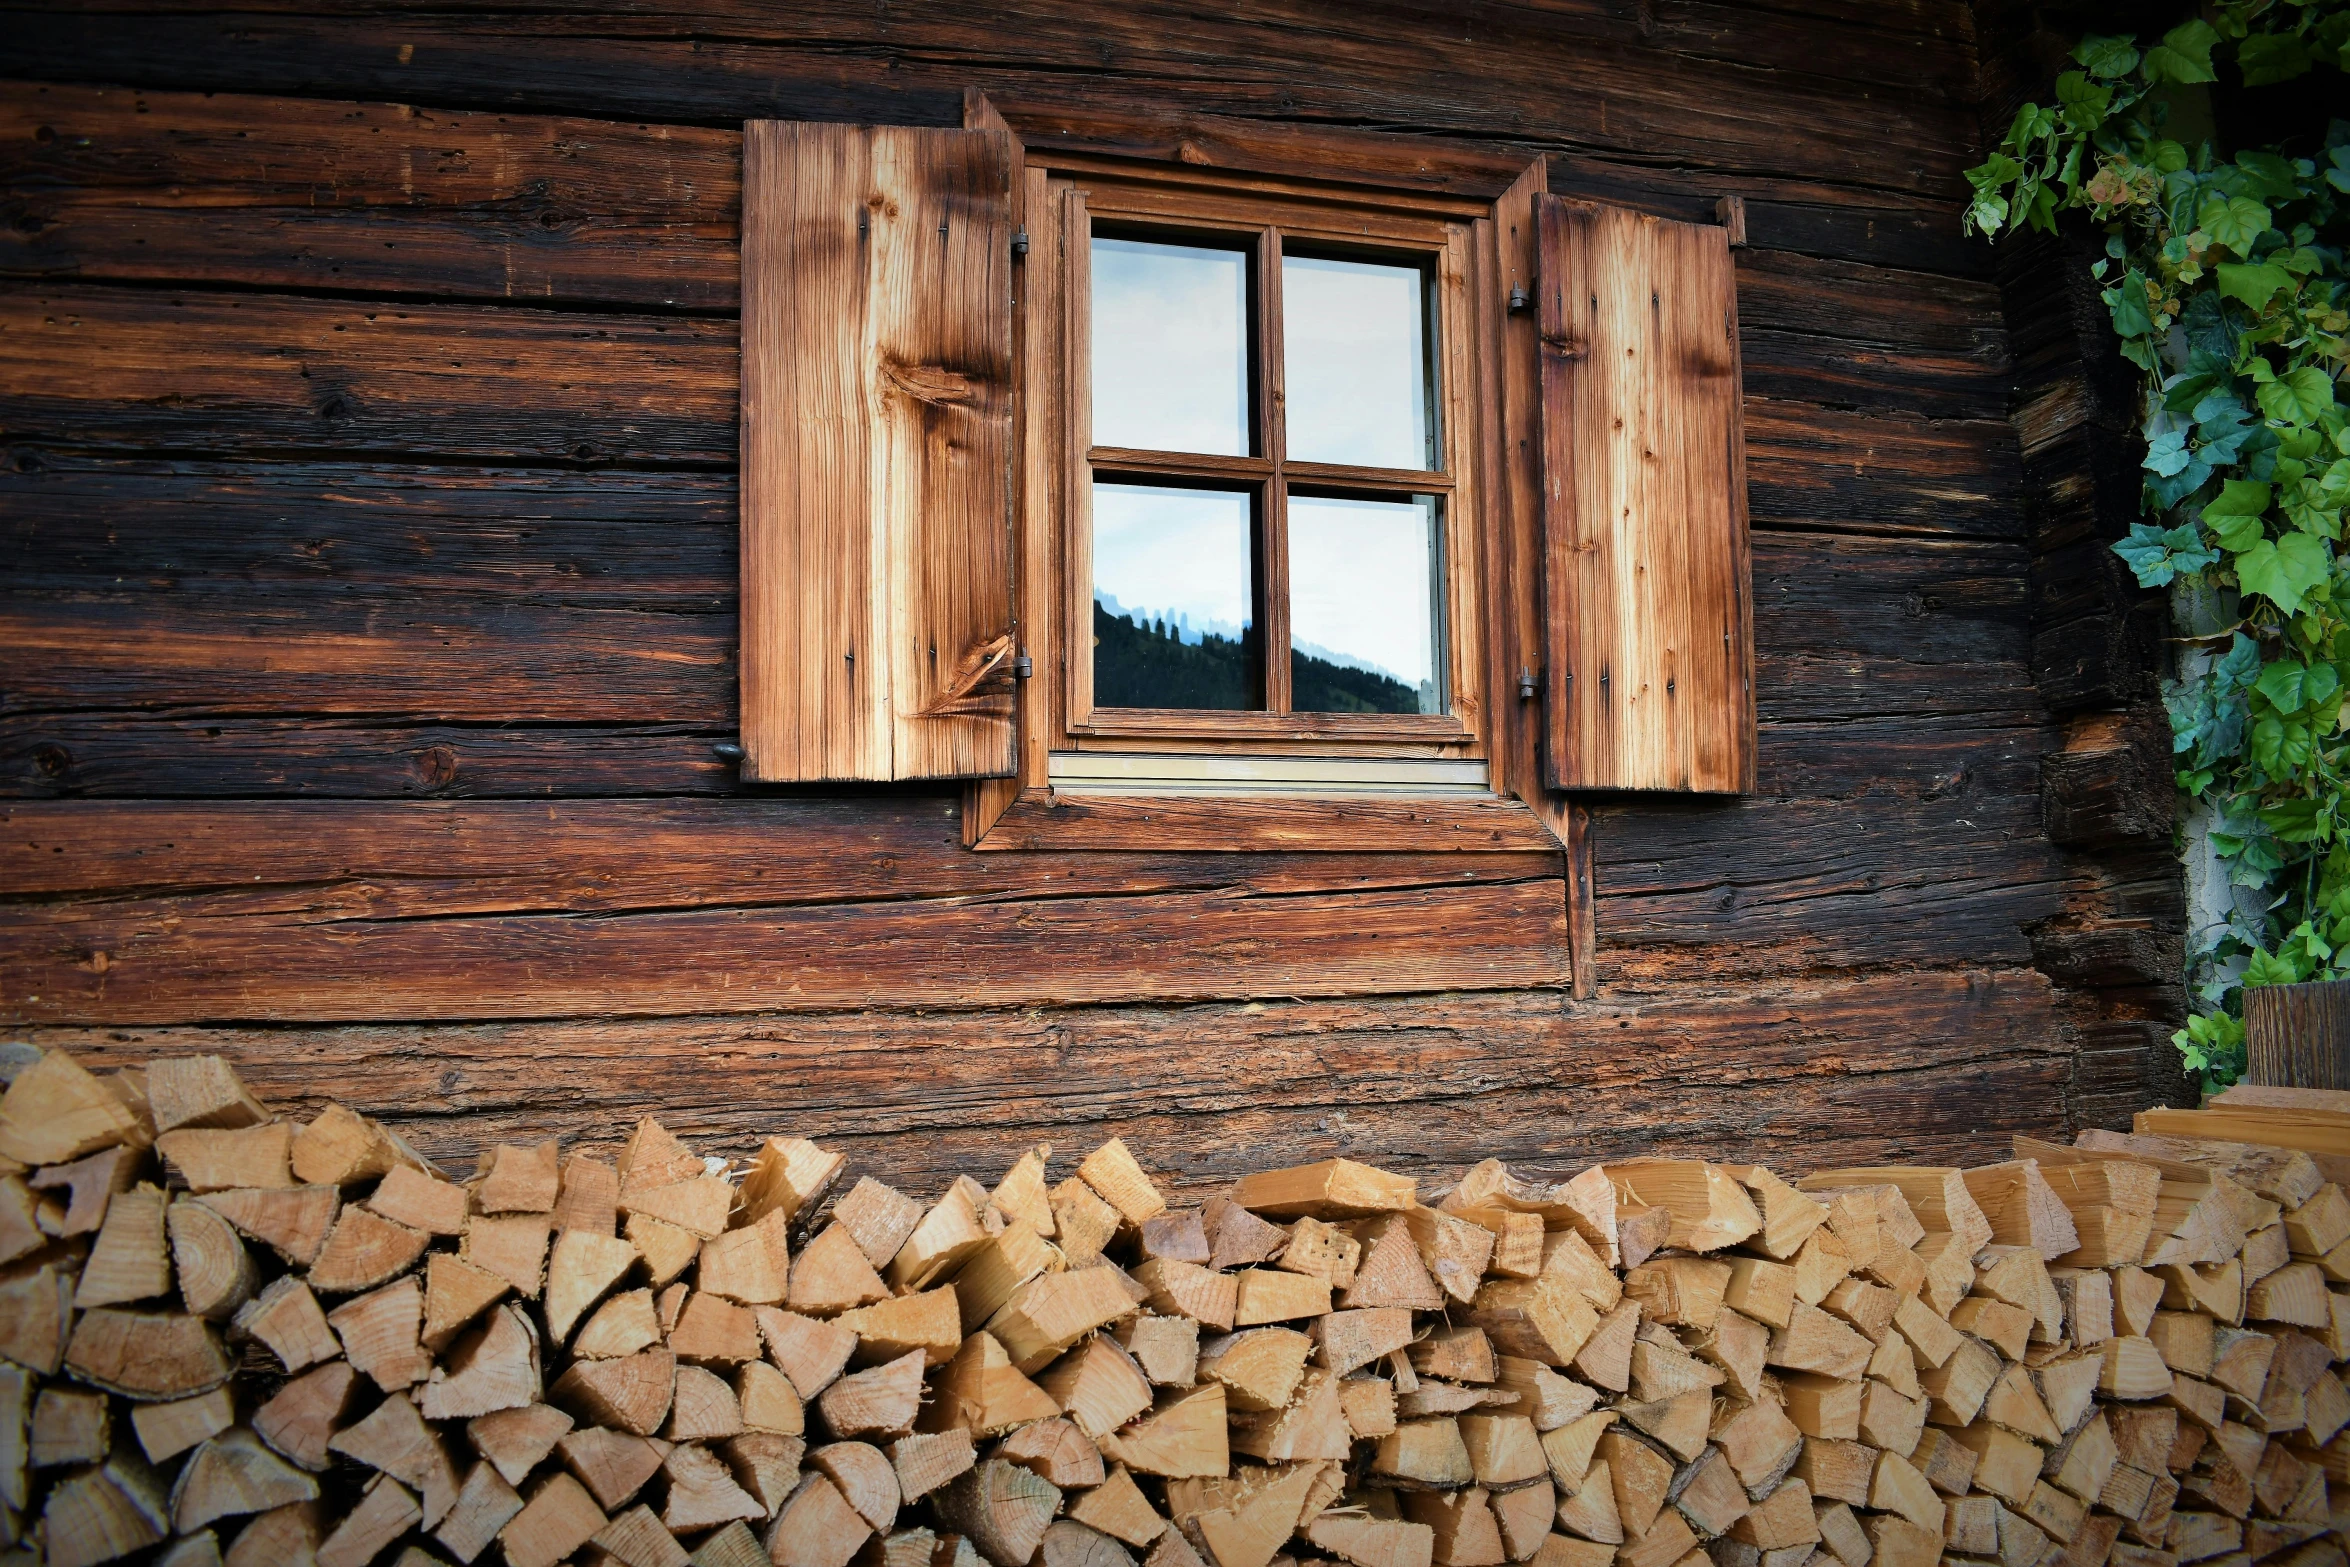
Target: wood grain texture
1066 819
2298 1036
1410 1082
877 442
1644 499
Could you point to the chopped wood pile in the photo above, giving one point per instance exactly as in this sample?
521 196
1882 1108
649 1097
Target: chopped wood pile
232 1340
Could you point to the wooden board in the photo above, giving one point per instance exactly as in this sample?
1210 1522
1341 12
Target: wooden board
1649 683
876 450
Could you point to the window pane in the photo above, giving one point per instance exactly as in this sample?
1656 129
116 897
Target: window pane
1174 598
1365 583
1170 348
1355 363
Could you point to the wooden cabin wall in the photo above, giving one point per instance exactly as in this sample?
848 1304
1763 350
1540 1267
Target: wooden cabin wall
367 392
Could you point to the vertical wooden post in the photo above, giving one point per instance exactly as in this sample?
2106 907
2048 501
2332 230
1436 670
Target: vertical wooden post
2298 1036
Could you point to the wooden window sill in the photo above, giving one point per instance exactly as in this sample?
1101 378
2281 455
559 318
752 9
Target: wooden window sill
1222 816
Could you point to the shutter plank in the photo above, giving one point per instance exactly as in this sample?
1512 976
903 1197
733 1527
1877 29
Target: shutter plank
1644 505
876 450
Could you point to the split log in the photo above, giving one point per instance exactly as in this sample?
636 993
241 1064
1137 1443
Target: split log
494 1367
630 1394
766 1465
89 1185
305 1414
514 1441
394 1440
702 1408
623 1325
881 1402
410 1197
231 1474
291 1221
485 1504
104 1512
788 1175
257 1158
167 1430
613 1465
518 1180
147 1356
455 1292
216 1274
703 1494
1002 1508
380 1334
557 1520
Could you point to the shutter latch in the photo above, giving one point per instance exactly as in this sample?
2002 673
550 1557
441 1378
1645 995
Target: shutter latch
1526 686
1023 666
1518 298
1019 242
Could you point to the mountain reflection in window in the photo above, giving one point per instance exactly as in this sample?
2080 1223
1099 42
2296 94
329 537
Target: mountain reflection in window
1174 598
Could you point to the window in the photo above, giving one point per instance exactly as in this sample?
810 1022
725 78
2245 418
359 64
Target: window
1214 485
1261 460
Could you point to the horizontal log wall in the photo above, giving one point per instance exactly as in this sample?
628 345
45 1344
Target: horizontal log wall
368 384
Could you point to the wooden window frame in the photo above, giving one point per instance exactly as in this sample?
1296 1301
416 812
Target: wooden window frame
1472 216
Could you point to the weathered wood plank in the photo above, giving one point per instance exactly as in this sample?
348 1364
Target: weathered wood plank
173 960
420 859
1898 1066
1493 75
877 447
1764 887
1650 647
128 370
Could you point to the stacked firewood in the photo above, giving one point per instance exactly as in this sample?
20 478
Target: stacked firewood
233 1340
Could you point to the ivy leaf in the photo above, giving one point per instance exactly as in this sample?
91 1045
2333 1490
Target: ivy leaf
2158 555
2284 572
2234 221
2270 175
2109 58
2320 684
2127 303
2253 283
2166 452
2268 969
2237 498
2271 57
2338 176
2184 55
2298 396
2281 682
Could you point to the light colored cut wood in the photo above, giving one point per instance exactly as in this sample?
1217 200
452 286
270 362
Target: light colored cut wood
293 1222
512 1246
623 1325
146 1355
379 1333
630 1394
927 1460
1001 1508
767 1465
810 1352
557 1520
882 1402
343 1148
703 1493
250 1158
410 1197
1184 1435
233 1474
637 1538
714 1330
612 1465
589 1197
768 1400
493 1367
1098 1385
394 1440
515 1441
833 1275
56 1112
304 1414
168 1430
788 1175
455 1292
104 1512
216 1274
1166 1348
702 1408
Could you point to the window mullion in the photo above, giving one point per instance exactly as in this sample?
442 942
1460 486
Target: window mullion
1273 505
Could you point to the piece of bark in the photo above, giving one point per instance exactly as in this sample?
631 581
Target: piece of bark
1001 1508
68 1427
703 1493
216 1274
394 1440
925 1461
809 1351
455 1292
379 1333
588 1198
102 1513
202 1091
702 1408
485 1504
167 1430
621 1326
512 1246
234 1473
631 1394
291 1221
304 1415
557 1520
882 1402
515 1441
493 1367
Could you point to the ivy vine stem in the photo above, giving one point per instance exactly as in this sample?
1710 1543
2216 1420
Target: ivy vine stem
2225 281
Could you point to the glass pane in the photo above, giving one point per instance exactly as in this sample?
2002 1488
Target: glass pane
1174 598
1365 585
1355 363
1170 348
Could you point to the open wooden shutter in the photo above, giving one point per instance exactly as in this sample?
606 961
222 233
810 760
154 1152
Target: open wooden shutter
877 445
1650 653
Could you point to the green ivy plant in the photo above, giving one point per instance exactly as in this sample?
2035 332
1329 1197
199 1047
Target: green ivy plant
2226 284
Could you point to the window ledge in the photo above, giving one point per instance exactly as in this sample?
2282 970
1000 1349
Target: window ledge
1340 805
